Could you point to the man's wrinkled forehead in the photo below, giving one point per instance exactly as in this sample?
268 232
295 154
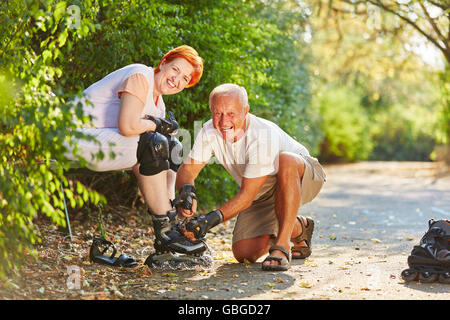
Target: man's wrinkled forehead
228 90
226 103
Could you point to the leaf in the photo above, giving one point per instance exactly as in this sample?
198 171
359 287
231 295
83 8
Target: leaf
147 272
306 285
68 258
170 274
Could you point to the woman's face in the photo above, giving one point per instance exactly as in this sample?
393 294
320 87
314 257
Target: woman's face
173 76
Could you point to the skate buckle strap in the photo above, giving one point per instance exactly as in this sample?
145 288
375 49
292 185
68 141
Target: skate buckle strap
172 214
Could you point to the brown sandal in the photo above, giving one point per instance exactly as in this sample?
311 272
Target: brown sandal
306 236
283 264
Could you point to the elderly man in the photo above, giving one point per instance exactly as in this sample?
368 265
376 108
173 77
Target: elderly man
275 173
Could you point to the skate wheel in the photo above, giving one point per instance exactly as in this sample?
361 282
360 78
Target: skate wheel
444 278
409 275
428 277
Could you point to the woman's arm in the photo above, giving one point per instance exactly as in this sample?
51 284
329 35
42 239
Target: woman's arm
130 122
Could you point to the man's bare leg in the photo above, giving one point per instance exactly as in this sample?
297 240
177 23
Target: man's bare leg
287 200
254 248
251 249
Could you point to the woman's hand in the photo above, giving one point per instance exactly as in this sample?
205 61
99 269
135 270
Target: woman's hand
165 126
186 201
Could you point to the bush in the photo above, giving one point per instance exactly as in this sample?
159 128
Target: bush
345 125
34 122
401 134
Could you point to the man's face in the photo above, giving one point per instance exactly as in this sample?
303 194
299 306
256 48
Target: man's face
228 116
173 76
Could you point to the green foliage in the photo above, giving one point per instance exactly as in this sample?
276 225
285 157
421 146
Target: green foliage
34 122
345 125
50 50
398 136
397 139
407 133
385 65
445 110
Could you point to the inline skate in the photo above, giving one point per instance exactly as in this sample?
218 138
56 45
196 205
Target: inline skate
173 250
430 260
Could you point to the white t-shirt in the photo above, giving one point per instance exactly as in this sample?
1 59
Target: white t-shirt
254 155
105 101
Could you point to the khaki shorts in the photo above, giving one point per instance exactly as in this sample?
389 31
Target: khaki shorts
260 219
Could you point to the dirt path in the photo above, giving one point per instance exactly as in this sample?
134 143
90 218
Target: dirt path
368 217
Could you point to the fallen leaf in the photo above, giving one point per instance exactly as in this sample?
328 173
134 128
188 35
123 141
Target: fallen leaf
170 274
101 295
306 285
147 272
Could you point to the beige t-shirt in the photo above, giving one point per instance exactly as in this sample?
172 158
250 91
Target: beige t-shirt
254 155
137 85
104 95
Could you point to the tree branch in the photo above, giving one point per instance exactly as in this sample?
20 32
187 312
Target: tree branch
433 24
440 5
381 5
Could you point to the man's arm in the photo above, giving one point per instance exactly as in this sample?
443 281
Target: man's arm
198 227
186 174
244 198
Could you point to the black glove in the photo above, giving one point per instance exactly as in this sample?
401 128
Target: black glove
201 225
185 197
165 126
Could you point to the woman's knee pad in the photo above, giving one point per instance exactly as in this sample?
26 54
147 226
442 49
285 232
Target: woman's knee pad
175 153
152 153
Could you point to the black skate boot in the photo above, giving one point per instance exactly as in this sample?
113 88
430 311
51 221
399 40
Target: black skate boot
172 249
430 260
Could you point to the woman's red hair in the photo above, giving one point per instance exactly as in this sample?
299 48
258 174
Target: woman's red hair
192 56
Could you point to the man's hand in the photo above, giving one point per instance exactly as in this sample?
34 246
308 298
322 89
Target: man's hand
165 126
198 227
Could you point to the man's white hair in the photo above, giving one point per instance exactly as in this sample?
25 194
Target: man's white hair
229 89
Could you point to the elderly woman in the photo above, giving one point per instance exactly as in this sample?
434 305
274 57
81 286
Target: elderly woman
128 122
